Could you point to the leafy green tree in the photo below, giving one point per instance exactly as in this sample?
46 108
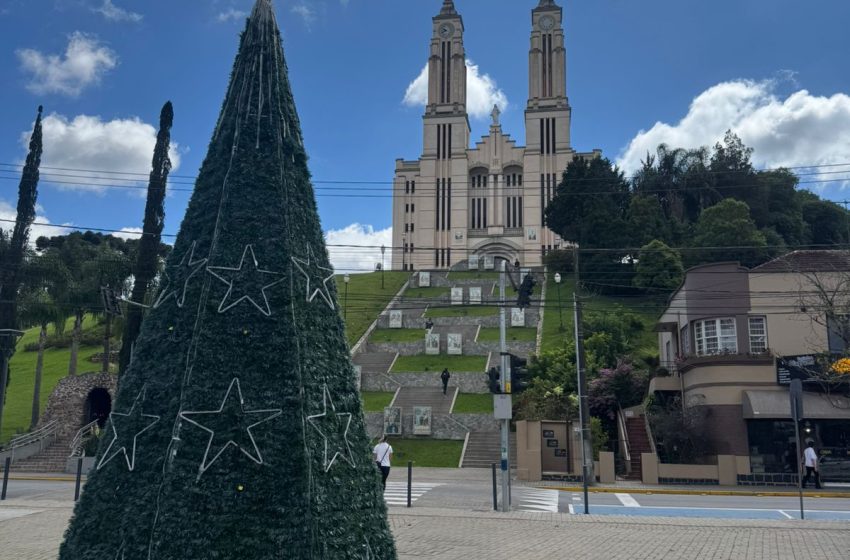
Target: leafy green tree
728 233
13 255
647 221
826 222
659 268
237 430
147 260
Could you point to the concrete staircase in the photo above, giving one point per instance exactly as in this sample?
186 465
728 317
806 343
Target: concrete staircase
408 397
52 459
638 443
377 362
484 448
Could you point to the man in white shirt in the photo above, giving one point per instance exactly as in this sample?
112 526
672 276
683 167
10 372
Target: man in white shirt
383 453
810 461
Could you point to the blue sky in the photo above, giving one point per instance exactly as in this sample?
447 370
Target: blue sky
639 73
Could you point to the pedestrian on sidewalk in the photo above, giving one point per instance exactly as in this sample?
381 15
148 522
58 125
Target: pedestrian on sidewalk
383 454
445 376
810 461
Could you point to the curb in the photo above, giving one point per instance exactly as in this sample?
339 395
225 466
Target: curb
684 492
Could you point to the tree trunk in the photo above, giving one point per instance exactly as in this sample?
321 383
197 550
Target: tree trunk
75 343
39 366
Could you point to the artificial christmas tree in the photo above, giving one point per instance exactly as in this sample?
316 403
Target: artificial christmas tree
237 432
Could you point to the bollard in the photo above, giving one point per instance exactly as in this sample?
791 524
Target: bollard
495 492
79 476
409 482
6 468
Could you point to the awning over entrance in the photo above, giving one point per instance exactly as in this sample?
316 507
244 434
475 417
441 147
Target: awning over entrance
767 405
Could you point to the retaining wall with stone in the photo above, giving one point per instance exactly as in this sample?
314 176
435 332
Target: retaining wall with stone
67 402
443 426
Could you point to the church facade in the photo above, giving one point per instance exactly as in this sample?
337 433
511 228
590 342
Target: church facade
488 200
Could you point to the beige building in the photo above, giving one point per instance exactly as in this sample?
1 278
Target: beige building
488 200
725 337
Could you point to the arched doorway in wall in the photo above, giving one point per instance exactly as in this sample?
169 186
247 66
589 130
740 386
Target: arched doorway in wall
98 406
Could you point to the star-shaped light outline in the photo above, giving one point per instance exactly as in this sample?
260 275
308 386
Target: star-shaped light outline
368 554
326 397
323 291
221 308
131 463
272 413
187 260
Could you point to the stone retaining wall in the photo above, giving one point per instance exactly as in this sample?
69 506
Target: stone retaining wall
67 402
466 382
443 426
488 321
469 348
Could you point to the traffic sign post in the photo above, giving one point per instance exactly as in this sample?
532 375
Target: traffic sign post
796 394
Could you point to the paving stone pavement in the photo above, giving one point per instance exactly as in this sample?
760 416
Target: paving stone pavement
441 534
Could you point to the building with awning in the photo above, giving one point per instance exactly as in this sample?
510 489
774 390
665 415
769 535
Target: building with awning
729 337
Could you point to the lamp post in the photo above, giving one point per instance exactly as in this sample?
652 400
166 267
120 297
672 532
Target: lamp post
345 279
560 311
383 250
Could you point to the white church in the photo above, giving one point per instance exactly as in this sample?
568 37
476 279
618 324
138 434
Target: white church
455 201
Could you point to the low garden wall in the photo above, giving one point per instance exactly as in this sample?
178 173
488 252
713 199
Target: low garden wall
443 426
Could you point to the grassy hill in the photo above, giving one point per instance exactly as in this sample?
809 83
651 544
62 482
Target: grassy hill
366 300
18 409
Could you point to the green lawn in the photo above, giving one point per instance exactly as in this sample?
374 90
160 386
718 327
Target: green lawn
366 299
514 334
553 336
468 403
18 409
397 335
462 311
374 401
426 452
473 275
423 363
426 293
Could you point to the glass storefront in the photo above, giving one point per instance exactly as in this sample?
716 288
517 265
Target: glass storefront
773 447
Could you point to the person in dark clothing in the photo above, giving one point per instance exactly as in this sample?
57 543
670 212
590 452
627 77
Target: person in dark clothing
429 324
445 376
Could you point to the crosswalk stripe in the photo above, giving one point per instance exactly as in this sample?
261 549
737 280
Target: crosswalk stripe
627 500
396 492
538 500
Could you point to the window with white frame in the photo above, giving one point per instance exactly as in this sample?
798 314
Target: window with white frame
716 336
685 340
758 335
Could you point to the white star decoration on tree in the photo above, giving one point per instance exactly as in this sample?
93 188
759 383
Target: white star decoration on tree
237 433
130 420
185 270
312 270
245 277
367 553
333 425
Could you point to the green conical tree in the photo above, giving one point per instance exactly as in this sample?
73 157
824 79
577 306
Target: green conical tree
237 431
13 256
147 260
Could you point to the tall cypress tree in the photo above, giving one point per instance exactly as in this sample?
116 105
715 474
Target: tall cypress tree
13 256
237 431
146 261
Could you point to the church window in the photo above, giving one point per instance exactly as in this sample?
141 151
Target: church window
406 187
412 228
413 186
519 177
413 207
449 204
406 208
520 211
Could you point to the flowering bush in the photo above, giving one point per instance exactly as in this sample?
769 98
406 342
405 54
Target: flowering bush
841 367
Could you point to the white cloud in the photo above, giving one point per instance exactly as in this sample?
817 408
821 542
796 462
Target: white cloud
482 92
305 11
112 12
102 149
84 63
363 248
799 130
232 15
129 233
8 212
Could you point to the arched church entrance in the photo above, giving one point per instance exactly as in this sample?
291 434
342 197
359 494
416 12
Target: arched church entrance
98 405
499 251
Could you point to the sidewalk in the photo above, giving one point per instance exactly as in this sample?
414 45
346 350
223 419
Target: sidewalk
33 531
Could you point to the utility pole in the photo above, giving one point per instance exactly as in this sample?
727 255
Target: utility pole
583 410
504 382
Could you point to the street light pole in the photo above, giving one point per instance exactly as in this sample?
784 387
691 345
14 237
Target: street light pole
383 250
345 279
560 311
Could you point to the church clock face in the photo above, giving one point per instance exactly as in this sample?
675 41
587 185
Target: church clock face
547 23
447 30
